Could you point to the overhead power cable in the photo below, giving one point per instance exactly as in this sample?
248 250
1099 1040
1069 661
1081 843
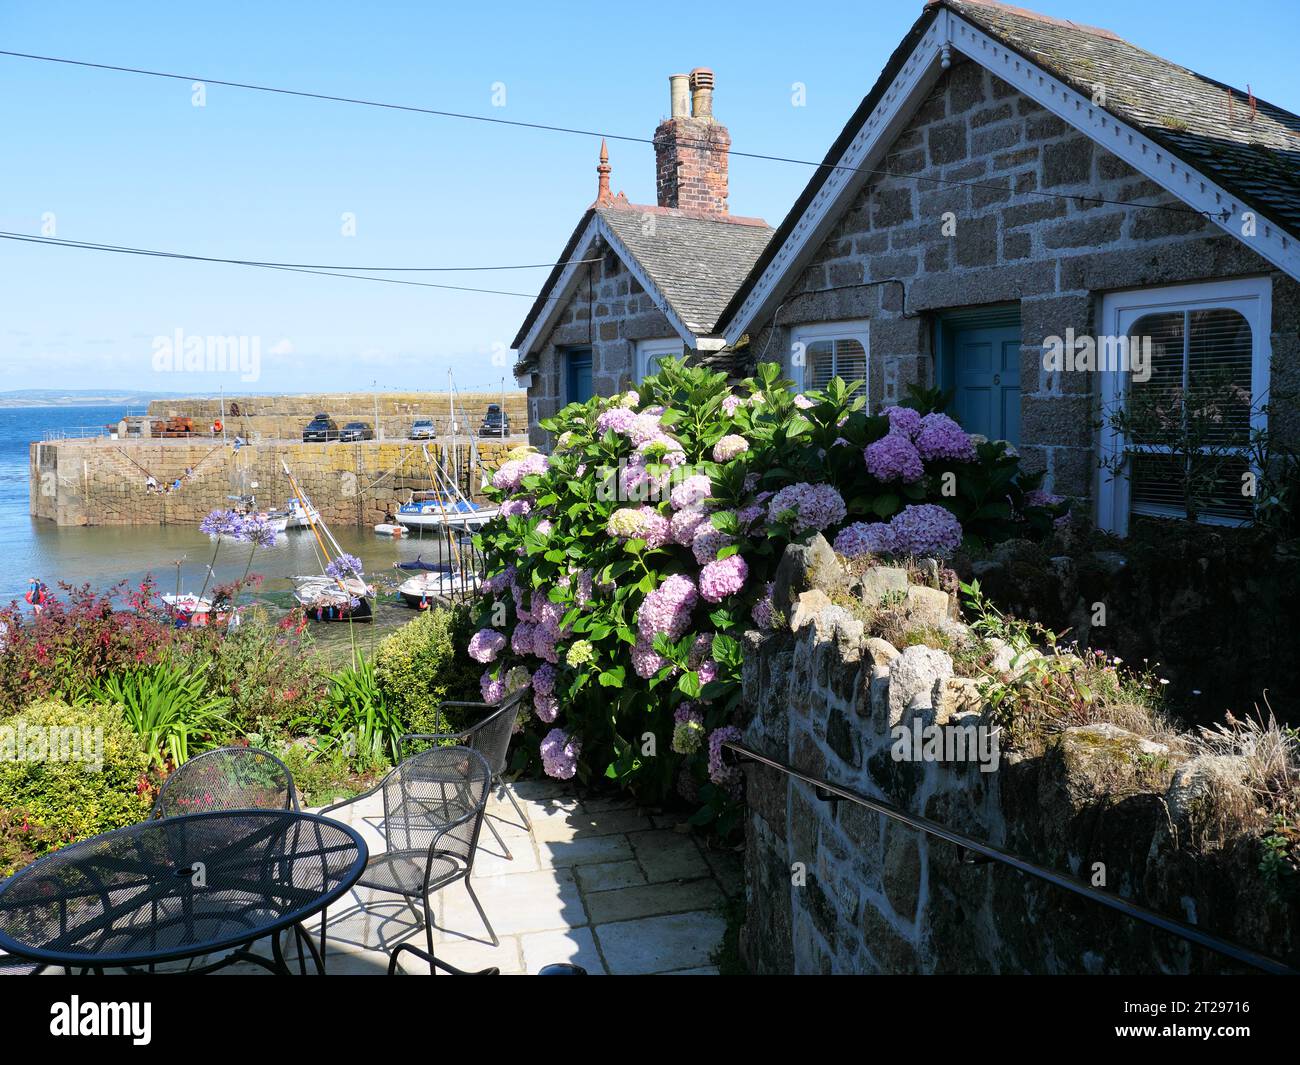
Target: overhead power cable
626 138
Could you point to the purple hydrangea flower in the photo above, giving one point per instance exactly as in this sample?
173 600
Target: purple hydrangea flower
493 690
643 428
893 458
645 659
486 644
545 705
667 609
560 754
814 506
942 438
708 541
617 420
924 530
903 420
516 508
865 538
544 679
724 776
764 613
685 523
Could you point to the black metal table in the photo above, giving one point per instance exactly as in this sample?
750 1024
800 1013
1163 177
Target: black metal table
182 887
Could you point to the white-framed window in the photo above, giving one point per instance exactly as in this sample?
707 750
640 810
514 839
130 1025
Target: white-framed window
1208 351
649 352
826 350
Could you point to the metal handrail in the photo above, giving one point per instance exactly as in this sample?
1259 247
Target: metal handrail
828 791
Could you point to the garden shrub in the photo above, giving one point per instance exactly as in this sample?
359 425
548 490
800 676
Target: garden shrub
48 803
629 562
78 638
424 663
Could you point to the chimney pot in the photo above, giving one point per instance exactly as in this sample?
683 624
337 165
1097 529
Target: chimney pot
702 93
679 94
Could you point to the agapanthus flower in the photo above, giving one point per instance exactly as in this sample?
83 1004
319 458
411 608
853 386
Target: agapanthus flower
560 754
724 776
865 538
894 458
486 644
691 492
688 729
807 507
925 529
903 420
723 577
668 608
580 653
345 566
222 523
729 447
261 533
942 438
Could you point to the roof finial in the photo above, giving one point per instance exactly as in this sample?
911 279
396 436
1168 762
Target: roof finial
604 197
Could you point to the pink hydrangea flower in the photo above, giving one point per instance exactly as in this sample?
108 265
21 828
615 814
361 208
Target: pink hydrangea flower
646 661
700 650
709 540
729 447
894 458
691 492
616 420
644 427
685 523
724 776
731 404
516 508
486 644
668 608
803 402
723 577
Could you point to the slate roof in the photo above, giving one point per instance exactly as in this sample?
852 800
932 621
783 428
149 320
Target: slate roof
694 261
1256 158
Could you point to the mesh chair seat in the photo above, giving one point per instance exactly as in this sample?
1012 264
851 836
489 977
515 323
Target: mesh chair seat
402 872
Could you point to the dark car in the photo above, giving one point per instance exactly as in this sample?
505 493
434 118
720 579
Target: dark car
495 422
320 428
357 431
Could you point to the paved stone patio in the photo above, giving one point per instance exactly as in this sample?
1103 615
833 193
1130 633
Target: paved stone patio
597 882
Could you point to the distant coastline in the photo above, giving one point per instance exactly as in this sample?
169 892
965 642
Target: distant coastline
50 397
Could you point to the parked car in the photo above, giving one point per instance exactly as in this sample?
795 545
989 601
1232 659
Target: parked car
495 422
357 431
422 429
319 429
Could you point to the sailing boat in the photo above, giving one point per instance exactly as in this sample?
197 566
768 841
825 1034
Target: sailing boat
339 592
446 506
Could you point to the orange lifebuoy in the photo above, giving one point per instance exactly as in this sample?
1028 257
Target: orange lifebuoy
217 426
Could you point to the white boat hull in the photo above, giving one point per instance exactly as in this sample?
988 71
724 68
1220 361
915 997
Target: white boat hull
474 519
423 588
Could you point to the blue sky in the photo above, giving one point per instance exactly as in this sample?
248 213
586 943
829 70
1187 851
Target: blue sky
124 159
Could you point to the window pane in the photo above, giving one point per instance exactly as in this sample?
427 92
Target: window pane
851 363
820 364
1156 405
1219 386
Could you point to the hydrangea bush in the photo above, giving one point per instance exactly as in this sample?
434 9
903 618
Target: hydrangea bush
627 563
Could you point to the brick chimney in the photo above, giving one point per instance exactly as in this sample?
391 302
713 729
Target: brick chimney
691 149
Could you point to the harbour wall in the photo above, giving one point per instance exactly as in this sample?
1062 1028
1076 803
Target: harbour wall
390 413
103 481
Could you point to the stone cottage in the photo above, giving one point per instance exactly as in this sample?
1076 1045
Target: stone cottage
635 283
1020 208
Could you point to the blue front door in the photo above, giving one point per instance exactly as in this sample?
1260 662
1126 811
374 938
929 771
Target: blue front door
578 376
984 374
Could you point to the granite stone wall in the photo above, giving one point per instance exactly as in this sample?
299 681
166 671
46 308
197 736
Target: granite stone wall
833 887
997 152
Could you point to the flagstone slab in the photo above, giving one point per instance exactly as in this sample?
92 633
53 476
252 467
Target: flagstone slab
660 944
650 899
576 946
667 855
605 876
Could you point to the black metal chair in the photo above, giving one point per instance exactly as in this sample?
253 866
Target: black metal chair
435 963
491 738
230 778
434 804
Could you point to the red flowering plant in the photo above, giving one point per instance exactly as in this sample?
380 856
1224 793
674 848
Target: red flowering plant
78 638
628 563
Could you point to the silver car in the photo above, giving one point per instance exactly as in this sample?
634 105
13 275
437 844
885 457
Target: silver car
422 429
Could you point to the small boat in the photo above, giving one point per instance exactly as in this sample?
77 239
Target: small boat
424 588
386 528
325 598
191 611
300 513
444 511
418 564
